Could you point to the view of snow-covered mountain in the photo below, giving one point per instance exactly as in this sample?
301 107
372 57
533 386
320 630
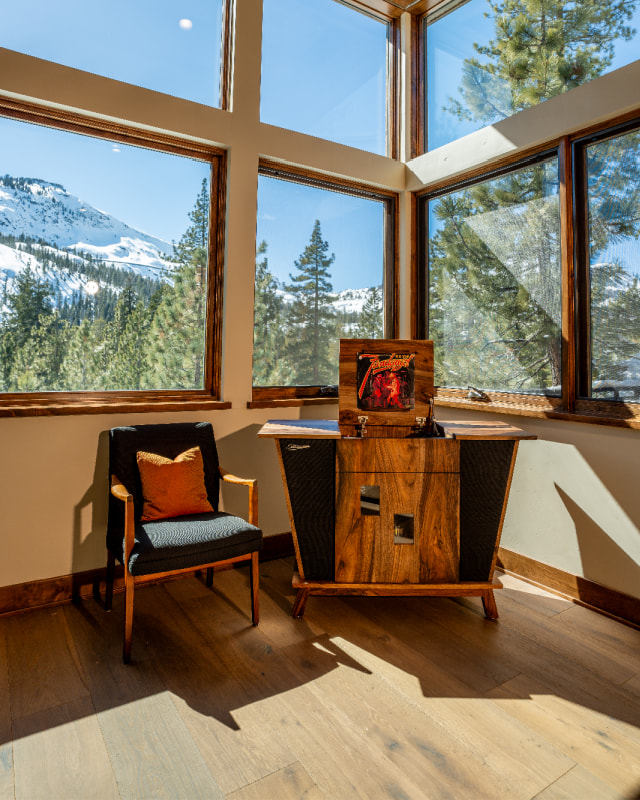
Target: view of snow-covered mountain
67 229
66 235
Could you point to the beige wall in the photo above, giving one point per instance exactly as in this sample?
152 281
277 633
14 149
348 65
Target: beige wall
574 501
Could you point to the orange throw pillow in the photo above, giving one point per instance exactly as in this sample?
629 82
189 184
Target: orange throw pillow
172 488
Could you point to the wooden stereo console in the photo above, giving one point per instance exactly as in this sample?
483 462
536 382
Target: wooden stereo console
387 501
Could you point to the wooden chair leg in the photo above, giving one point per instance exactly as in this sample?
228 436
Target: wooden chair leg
108 590
209 578
489 604
300 603
129 585
255 585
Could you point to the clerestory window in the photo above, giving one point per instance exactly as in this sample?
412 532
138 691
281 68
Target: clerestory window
161 46
485 60
328 70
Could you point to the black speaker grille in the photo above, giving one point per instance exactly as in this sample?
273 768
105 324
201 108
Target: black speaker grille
310 472
484 474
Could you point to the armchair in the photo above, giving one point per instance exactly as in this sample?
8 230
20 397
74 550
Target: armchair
176 533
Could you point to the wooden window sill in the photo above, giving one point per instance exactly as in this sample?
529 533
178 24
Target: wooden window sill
39 408
542 411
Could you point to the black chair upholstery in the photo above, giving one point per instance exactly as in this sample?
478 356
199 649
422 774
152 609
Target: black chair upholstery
178 544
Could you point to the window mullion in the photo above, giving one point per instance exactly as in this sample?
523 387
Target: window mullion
567 261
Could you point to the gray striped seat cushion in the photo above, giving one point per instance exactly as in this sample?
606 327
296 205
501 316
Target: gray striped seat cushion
183 542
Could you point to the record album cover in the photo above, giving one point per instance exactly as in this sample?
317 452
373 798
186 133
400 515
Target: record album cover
385 381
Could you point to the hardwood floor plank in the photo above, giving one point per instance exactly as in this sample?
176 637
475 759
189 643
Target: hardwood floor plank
459 639
152 753
579 783
275 608
579 645
340 758
480 644
42 672
394 659
290 783
151 750
623 641
533 596
218 713
273 681
59 752
482 745
603 745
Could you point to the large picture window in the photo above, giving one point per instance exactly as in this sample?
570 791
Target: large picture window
494 282
170 48
324 271
529 282
325 72
487 60
107 268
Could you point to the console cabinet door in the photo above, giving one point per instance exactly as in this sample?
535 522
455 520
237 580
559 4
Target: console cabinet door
398 526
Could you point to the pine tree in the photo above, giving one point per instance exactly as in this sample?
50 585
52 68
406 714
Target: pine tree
311 316
494 284
371 322
84 365
29 306
127 343
270 366
177 349
541 48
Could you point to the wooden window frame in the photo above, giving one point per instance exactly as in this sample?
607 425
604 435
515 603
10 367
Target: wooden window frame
572 405
274 396
90 402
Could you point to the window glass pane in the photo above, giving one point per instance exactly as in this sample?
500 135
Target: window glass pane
319 277
175 49
494 283
103 270
324 72
486 59
613 181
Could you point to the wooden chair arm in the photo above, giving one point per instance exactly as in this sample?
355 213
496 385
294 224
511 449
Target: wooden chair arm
252 484
120 491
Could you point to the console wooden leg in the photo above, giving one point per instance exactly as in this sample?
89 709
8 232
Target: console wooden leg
489 604
300 603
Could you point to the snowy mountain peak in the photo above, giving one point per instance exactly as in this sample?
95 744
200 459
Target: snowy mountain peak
47 212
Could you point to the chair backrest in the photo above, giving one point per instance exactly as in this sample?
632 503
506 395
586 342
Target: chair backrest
167 440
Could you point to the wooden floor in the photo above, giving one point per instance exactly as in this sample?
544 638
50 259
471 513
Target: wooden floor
363 698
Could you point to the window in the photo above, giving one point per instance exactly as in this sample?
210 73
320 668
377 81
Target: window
325 72
107 270
324 271
494 282
609 180
175 49
487 60
529 281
